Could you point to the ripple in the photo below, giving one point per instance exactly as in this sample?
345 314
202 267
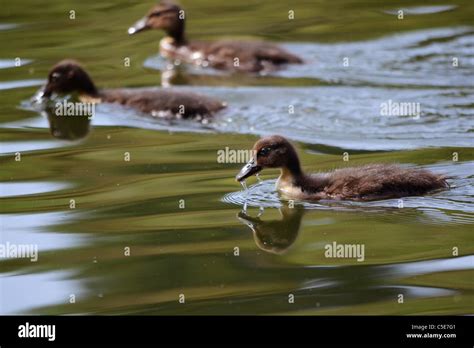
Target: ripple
320 114
398 60
423 10
8 26
35 229
345 112
27 291
8 148
12 189
20 84
417 268
11 63
421 291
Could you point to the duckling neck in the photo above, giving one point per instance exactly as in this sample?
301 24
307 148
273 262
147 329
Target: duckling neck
88 88
93 92
177 34
91 97
291 173
293 179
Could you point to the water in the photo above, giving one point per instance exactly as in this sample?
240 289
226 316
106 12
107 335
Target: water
173 220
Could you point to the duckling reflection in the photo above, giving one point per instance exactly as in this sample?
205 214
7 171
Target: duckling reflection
173 76
67 127
275 236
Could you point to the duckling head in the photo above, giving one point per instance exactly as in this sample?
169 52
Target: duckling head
166 16
68 76
271 152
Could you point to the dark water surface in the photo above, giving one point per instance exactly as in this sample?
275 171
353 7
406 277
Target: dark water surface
180 212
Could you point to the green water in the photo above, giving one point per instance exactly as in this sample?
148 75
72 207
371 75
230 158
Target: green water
169 221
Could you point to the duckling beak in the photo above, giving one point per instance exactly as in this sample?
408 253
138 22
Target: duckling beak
249 169
41 95
138 26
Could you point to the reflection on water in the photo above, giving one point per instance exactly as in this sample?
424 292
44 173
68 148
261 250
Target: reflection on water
19 84
422 10
418 59
191 250
37 229
11 63
11 189
275 236
431 266
169 221
26 146
44 289
67 127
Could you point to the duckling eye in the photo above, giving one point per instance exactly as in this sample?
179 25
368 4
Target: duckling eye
55 76
265 151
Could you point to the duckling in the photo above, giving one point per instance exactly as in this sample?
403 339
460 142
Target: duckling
241 56
69 77
364 183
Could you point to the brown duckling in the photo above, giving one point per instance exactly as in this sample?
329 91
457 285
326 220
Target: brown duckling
364 183
242 56
68 77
